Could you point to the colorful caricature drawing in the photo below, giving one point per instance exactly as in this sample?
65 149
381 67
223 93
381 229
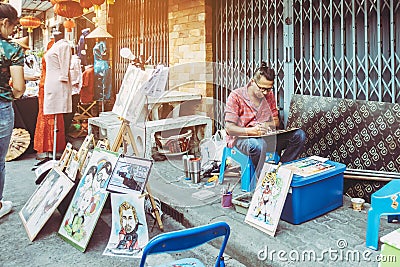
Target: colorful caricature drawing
81 212
268 199
129 228
128 238
88 201
85 206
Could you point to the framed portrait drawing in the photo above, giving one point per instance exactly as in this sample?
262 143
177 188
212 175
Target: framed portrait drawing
46 198
73 166
130 174
63 162
129 233
87 203
268 198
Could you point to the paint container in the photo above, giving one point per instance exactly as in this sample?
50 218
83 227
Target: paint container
185 159
227 200
357 203
194 170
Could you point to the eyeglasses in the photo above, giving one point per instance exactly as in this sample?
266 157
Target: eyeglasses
263 89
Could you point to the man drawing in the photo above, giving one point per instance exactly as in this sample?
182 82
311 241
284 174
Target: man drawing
128 238
251 111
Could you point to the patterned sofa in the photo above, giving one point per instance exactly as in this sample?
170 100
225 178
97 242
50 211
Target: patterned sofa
364 135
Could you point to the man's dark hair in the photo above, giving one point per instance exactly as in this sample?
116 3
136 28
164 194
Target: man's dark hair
264 70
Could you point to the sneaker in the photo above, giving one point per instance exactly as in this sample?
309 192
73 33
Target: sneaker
6 208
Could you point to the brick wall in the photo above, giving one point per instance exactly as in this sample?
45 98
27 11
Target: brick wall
190 46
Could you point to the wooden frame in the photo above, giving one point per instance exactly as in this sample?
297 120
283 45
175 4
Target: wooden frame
73 165
46 198
63 162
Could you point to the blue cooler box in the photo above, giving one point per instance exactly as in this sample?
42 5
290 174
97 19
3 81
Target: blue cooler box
312 196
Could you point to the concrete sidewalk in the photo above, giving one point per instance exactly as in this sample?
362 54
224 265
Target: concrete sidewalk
341 231
48 249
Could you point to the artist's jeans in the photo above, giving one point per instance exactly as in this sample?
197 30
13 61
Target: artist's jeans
257 147
6 127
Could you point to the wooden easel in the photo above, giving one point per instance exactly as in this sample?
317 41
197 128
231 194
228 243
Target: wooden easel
126 130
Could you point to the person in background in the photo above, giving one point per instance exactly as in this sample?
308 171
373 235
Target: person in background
12 66
251 111
31 68
81 47
87 91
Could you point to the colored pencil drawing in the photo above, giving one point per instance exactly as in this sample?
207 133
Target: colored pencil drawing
87 203
269 197
129 233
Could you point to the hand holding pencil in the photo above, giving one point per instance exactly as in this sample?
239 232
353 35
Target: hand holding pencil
263 128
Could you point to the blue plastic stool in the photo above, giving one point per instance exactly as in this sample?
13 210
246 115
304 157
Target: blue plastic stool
248 179
385 201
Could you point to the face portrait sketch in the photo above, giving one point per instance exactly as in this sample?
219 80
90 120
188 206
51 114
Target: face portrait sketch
41 205
129 228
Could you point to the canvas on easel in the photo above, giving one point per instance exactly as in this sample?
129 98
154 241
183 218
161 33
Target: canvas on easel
46 198
129 233
130 174
129 106
269 198
129 100
87 203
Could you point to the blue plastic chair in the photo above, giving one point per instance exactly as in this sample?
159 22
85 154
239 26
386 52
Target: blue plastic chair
248 179
385 201
187 239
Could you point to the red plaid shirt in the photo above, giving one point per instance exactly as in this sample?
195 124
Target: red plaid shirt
242 112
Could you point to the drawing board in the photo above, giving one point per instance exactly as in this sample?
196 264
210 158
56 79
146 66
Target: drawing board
46 198
268 198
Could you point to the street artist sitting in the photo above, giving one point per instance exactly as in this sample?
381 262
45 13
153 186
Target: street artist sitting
251 112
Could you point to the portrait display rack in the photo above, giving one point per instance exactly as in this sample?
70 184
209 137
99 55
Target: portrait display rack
125 130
